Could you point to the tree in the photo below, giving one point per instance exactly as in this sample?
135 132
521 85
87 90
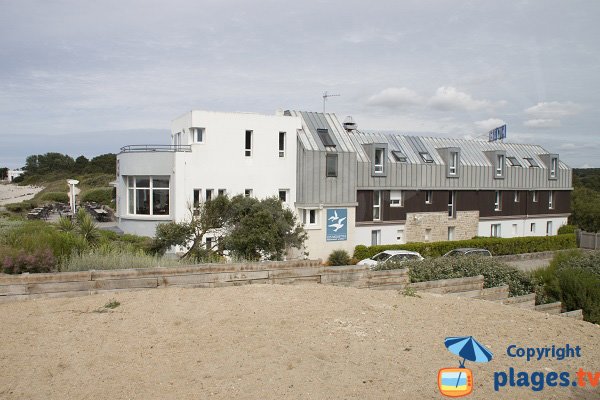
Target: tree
3 173
105 163
585 204
80 163
246 227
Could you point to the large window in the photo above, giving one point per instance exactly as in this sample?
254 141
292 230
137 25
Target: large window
148 195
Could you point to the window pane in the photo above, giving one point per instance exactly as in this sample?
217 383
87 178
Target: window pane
160 182
130 181
142 200
160 200
143 182
248 140
331 165
131 201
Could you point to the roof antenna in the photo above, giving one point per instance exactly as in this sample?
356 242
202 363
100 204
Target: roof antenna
325 96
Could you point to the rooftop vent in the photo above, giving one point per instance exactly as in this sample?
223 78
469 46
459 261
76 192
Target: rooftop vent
349 124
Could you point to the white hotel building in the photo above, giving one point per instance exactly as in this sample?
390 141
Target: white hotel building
348 186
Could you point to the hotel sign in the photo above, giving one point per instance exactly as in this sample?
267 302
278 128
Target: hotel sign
337 224
498 133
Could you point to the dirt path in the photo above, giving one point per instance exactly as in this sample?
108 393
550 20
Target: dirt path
272 342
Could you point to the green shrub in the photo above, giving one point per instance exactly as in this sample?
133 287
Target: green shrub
107 257
495 272
20 207
498 246
57 197
566 229
339 257
572 278
102 195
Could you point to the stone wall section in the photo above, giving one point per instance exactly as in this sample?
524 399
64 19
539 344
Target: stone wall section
433 226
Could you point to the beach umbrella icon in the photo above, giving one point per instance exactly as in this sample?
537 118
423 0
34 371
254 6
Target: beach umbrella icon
469 349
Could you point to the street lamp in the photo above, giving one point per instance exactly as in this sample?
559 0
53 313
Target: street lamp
72 183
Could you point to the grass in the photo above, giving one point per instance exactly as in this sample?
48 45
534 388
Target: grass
115 258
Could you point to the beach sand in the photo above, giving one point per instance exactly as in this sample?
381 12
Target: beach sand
274 342
10 193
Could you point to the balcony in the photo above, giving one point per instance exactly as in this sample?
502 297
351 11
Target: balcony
146 148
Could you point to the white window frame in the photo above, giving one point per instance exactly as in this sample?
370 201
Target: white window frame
195 203
451 232
453 163
550 200
396 198
496 230
308 215
378 167
282 144
377 205
532 227
553 167
429 197
248 192
209 194
222 192
534 196
375 234
248 146
132 189
517 196
498 201
549 228
199 135
451 204
500 161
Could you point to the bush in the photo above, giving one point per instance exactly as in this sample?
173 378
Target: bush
41 260
20 207
566 229
101 195
107 257
498 246
339 257
495 273
57 197
572 278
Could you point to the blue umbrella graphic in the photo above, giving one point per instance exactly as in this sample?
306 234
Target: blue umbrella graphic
469 349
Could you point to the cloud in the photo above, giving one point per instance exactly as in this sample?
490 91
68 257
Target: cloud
448 98
489 124
553 110
395 97
542 123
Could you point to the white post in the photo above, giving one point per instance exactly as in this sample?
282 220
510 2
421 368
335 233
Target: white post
72 183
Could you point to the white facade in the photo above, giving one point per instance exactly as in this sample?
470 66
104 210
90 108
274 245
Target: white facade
519 227
13 173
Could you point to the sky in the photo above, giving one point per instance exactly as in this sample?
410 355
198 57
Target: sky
87 77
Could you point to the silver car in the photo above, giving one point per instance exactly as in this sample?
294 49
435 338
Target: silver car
391 256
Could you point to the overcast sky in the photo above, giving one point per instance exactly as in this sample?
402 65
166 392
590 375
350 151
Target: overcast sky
87 77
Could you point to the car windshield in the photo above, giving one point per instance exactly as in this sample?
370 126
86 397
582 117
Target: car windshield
455 253
403 257
380 257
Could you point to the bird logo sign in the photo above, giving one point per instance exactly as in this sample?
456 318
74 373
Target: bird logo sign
458 382
337 224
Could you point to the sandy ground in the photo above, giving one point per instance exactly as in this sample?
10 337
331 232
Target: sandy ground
272 342
10 193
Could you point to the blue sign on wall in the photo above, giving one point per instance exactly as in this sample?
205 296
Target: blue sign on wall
337 224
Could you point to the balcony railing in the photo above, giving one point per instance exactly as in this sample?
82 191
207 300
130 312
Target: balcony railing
136 148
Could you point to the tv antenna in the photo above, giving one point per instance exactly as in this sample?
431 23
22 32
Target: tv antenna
325 96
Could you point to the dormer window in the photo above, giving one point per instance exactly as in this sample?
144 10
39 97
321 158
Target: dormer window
500 165
553 167
426 157
379 153
453 163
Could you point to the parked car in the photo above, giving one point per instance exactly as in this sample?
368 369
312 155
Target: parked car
468 251
391 256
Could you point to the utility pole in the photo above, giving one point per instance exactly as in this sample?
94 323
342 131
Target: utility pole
325 96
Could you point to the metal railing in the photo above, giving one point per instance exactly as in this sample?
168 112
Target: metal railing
155 147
